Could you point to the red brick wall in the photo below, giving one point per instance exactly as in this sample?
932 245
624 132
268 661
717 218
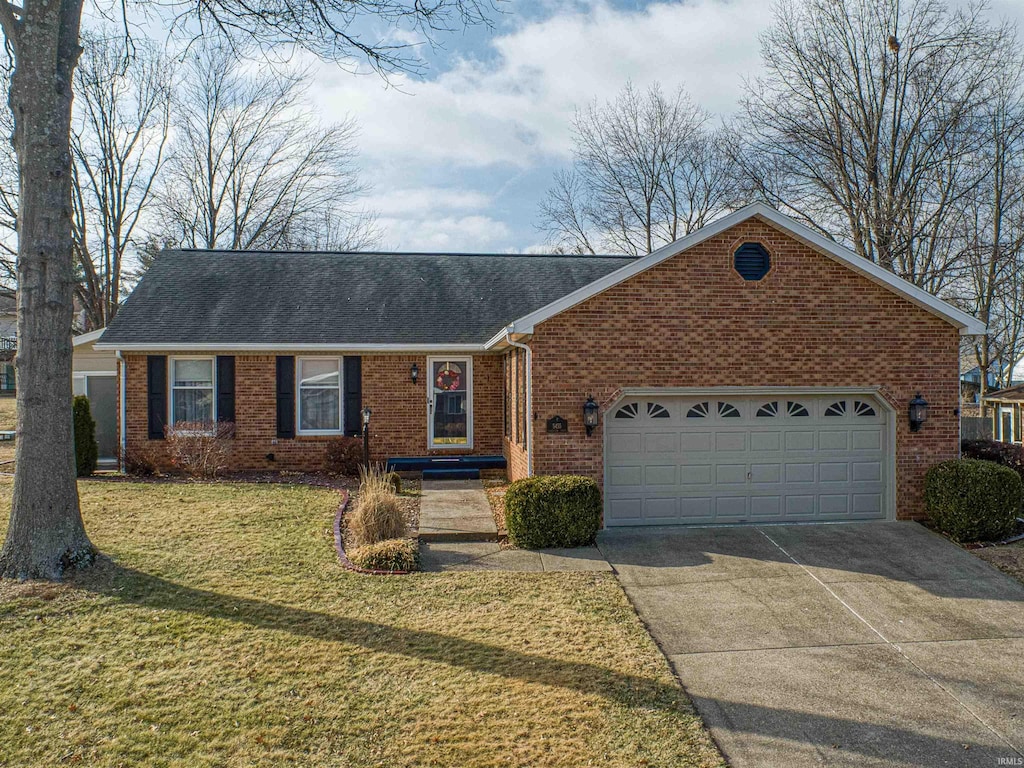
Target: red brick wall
693 322
398 426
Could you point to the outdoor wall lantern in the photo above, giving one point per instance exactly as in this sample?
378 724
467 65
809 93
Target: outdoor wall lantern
590 410
918 412
414 372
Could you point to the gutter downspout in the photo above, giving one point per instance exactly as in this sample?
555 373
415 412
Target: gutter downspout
529 396
122 431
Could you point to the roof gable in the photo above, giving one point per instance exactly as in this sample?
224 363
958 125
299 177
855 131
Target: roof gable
967 324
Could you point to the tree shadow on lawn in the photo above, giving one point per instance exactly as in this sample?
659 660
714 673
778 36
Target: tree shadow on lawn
146 590
869 739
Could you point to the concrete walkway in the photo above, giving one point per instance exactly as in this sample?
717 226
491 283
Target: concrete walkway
878 644
455 510
486 556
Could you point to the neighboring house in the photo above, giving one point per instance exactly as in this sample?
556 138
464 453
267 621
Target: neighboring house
1004 407
94 374
752 372
8 344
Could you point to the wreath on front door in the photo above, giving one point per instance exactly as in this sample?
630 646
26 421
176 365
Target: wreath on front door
449 379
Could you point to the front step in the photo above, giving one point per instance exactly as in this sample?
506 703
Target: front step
452 473
428 463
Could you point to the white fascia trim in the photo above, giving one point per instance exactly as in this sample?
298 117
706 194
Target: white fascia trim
968 325
86 338
338 348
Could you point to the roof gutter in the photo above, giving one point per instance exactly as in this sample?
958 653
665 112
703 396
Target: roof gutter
529 395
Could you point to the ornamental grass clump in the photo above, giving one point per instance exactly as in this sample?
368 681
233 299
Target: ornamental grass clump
387 555
377 514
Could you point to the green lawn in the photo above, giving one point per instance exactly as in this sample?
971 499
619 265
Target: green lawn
223 632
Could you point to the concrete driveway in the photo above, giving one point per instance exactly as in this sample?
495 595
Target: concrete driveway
872 644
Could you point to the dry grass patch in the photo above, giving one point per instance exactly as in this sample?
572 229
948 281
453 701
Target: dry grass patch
495 490
223 632
1008 558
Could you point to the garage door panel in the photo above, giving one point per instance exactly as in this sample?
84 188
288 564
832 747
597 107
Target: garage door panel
799 473
623 443
800 441
626 476
834 472
800 506
661 509
694 509
660 475
834 440
695 441
695 474
661 442
731 474
867 471
765 506
834 504
864 440
765 473
765 441
726 442
727 507
753 459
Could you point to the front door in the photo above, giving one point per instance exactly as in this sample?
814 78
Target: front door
450 408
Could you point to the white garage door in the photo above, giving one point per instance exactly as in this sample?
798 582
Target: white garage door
724 459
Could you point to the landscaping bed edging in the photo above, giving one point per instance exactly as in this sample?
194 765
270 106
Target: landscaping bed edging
339 543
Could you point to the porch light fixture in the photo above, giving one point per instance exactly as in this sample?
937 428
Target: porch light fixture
590 409
414 372
918 412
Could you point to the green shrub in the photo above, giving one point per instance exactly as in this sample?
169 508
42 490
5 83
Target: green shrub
86 450
387 555
973 500
553 511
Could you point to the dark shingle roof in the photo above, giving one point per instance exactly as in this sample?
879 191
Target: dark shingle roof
248 297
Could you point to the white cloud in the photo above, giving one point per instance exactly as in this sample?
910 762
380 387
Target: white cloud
422 201
515 107
444 233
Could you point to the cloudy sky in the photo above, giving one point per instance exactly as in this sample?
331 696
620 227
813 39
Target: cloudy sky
460 158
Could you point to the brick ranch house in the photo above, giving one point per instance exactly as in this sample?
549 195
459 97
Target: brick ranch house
753 371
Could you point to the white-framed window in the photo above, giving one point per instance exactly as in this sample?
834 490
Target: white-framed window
319 395
192 390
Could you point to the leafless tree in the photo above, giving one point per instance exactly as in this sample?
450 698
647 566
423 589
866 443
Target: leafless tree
865 119
119 132
647 170
990 234
46 534
250 166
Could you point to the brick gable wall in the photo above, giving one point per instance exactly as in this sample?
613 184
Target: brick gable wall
693 322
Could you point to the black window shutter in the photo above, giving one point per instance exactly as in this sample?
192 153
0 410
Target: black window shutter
225 388
285 396
156 395
353 374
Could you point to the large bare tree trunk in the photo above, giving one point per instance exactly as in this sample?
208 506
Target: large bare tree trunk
46 535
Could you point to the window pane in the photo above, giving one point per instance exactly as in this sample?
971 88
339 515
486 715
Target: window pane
193 405
319 373
319 409
193 373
